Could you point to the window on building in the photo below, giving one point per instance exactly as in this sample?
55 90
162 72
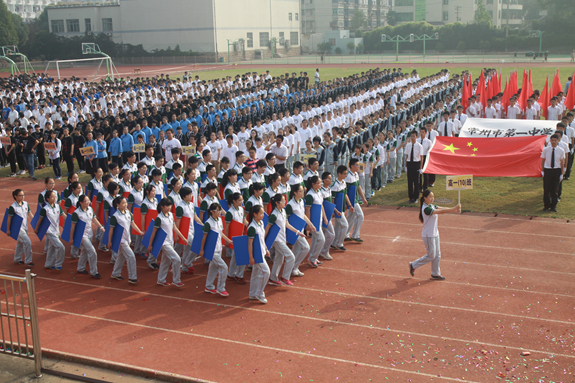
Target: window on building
293 38
332 42
289 16
446 2
282 37
297 16
490 13
107 25
73 25
88 24
264 39
57 26
489 2
404 3
445 15
404 16
250 38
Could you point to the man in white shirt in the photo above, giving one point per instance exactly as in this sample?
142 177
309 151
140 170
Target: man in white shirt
316 76
553 164
460 116
281 152
513 111
413 152
230 150
490 111
426 145
530 111
170 143
445 127
554 111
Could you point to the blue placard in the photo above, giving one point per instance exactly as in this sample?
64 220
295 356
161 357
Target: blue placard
266 220
15 225
224 205
43 228
111 212
299 224
166 189
198 236
36 217
315 216
78 231
117 238
158 239
94 193
351 192
328 207
106 235
62 194
272 235
197 209
339 201
241 250
203 177
210 246
159 197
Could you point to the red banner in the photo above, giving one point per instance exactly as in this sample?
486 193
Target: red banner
184 229
486 157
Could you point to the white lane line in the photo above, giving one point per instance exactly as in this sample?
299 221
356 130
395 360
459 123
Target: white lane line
396 238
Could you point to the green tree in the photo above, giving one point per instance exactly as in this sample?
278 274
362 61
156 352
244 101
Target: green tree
481 15
358 20
8 35
324 47
43 21
391 18
351 46
337 50
360 48
21 29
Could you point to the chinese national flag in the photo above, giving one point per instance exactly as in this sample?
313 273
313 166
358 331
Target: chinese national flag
486 157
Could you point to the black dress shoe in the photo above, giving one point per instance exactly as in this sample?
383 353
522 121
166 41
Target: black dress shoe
437 277
411 270
554 209
545 209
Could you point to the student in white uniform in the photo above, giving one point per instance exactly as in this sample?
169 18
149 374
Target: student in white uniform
124 218
315 197
428 216
328 232
296 206
170 258
355 216
149 203
56 250
23 244
260 271
339 186
235 213
218 267
282 251
88 254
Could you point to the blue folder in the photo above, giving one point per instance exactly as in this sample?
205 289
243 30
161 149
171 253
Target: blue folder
198 236
266 219
166 190
241 250
134 205
158 239
272 235
94 193
210 246
339 201
15 225
117 238
43 228
36 217
351 192
224 205
62 194
78 231
159 197
299 224
111 212
328 207
315 216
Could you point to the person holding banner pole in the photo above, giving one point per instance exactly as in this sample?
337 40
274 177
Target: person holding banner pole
260 271
217 265
123 217
235 213
186 209
88 254
165 221
56 250
23 244
301 248
315 197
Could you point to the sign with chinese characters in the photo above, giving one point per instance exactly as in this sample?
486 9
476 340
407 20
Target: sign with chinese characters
459 182
493 128
139 148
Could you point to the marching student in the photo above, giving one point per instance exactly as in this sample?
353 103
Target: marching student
149 203
282 251
260 271
95 184
217 266
125 181
102 195
301 248
296 177
190 183
428 217
328 232
72 177
124 218
258 175
413 152
235 213
274 182
156 181
50 184
553 164
186 209
256 191
175 186
270 167
72 201
315 197
88 254
355 217
23 244
113 192
341 225
313 165
229 182
245 182
56 250
165 221
211 190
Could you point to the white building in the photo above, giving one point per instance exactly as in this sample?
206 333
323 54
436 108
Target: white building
439 12
206 26
28 10
319 16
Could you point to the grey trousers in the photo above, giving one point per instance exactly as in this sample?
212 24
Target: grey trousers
300 251
235 270
282 252
56 251
125 255
391 169
23 245
340 228
218 268
169 258
317 242
398 164
433 255
88 254
259 279
329 235
74 252
355 221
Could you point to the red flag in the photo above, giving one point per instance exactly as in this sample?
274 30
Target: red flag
505 98
556 86
464 96
570 101
522 101
545 100
530 84
480 85
486 157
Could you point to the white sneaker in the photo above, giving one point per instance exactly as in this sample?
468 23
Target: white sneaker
81 171
326 256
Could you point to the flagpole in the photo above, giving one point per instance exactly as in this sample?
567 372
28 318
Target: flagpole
459 197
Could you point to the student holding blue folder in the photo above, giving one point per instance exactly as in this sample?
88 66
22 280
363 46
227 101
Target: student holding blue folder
211 190
339 191
125 181
23 244
328 231
96 182
235 213
88 254
186 209
256 190
113 192
301 248
260 271
315 197
355 217
166 222
123 217
217 266
279 217
50 184
176 186
149 203
56 250
71 201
